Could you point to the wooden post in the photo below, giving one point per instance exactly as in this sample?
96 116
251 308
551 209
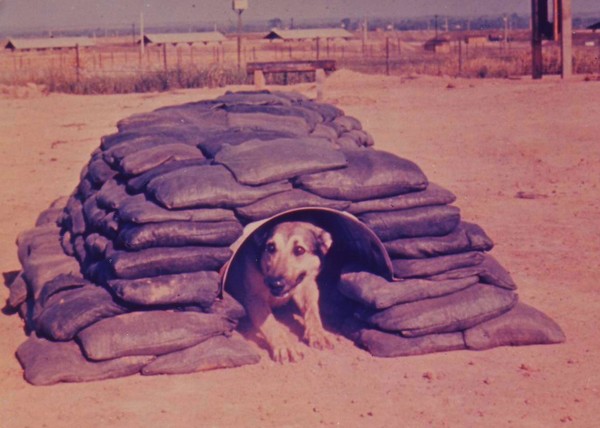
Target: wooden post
459 57
318 47
142 39
77 62
320 80
259 79
536 40
239 39
566 38
387 56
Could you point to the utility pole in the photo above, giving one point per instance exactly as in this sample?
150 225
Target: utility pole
536 41
142 37
505 19
239 6
566 38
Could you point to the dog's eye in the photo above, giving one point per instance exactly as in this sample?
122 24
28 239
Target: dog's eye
270 248
298 251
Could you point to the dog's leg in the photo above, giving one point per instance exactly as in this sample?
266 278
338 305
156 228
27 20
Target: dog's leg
307 299
282 346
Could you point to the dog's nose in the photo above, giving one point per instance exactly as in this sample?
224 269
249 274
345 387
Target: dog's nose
274 283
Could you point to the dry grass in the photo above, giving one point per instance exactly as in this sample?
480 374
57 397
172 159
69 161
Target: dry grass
118 68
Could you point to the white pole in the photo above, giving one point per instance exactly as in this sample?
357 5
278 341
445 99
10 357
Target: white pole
142 34
566 40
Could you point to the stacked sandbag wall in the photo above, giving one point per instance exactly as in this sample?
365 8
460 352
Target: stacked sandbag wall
124 275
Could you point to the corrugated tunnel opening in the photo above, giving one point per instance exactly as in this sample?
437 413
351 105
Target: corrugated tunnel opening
355 247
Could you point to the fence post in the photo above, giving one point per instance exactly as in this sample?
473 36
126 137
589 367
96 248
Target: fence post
387 56
77 62
459 57
318 48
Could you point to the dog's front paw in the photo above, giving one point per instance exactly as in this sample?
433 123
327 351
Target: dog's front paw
318 339
286 352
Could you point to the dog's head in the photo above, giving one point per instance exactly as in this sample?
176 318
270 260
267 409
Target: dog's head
292 252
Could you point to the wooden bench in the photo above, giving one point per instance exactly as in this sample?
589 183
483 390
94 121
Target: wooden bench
260 69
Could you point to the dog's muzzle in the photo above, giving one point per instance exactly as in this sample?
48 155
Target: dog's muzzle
279 287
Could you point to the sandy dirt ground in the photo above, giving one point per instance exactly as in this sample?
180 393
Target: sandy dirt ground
522 156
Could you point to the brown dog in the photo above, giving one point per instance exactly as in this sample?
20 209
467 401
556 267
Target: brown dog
279 267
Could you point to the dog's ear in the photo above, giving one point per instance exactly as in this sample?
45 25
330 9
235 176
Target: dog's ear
324 241
260 237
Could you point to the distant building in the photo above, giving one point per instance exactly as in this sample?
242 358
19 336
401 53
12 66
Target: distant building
18 44
309 34
476 41
439 45
181 38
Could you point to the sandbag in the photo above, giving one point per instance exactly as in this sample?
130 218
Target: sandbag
93 214
280 202
60 283
385 344
76 221
466 237
141 211
141 161
111 194
370 174
347 123
165 261
215 353
489 271
98 247
212 143
360 137
453 312
328 111
25 237
115 155
254 98
411 268
207 186
323 131
165 133
79 250
100 172
149 333
522 325
259 162
47 363
310 116
18 291
178 234
50 216
38 270
376 292
226 307
138 183
67 312
289 124
194 288
414 222
432 195
203 114
42 240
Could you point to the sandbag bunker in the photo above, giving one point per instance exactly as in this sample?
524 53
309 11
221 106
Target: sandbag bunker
125 275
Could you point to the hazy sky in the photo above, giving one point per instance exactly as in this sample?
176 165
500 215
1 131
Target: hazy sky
71 14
